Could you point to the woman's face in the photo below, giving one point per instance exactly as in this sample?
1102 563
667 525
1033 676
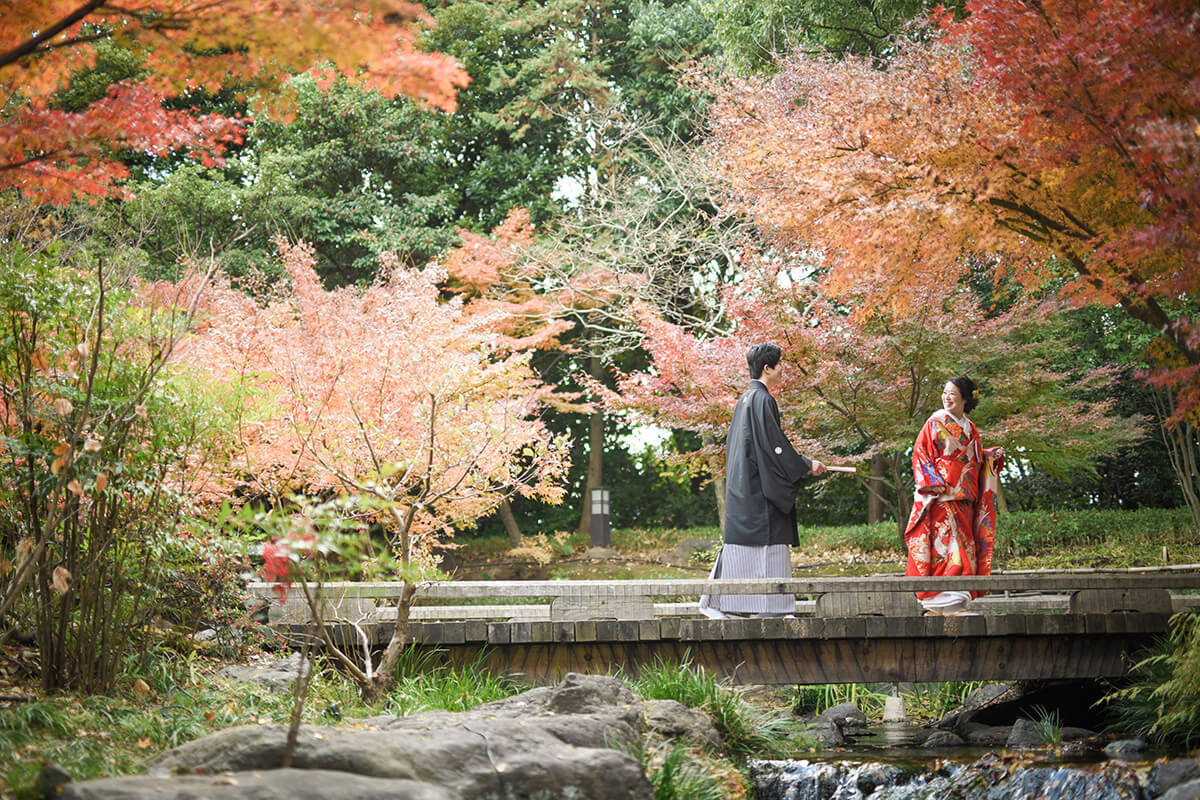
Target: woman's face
952 399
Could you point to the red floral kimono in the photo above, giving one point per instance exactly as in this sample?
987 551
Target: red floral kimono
953 521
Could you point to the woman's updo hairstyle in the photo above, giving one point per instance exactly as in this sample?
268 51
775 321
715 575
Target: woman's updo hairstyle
970 393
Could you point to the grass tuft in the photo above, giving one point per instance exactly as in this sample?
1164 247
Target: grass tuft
424 682
1048 723
676 774
745 730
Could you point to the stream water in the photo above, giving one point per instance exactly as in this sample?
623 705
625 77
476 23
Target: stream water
884 765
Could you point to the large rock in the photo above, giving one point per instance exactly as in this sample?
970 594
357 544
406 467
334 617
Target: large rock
1184 791
1127 749
939 739
583 711
980 698
275 674
549 743
671 719
823 730
1166 775
476 758
1025 733
577 694
845 715
278 784
976 733
1072 734
683 554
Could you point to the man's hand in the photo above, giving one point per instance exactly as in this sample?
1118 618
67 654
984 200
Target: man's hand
817 467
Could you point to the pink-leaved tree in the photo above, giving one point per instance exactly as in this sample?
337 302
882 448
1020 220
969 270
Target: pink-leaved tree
860 377
423 408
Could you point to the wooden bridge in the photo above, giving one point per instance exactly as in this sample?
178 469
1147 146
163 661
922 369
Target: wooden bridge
1043 624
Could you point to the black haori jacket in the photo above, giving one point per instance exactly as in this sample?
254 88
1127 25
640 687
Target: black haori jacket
762 474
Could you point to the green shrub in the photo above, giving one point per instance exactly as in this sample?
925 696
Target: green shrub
817 698
936 700
1031 533
878 537
97 442
926 701
1163 702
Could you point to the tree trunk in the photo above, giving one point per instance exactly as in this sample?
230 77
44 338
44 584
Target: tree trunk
595 473
384 679
718 486
1183 447
299 695
510 523
875 489
903 495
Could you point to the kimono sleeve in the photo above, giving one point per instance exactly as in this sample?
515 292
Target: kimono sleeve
933 472
780 467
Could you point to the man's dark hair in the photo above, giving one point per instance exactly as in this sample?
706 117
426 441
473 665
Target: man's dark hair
970 393
762 355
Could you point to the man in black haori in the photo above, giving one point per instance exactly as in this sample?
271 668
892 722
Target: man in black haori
762 476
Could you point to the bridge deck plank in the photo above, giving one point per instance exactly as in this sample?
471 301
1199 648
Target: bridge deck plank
498 632
773 628
564 631
585 631
1176 577
475 630
1006 624
755 630
1036 641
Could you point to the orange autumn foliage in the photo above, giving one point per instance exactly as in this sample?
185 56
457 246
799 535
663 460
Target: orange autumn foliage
494 274
1063 135
52 154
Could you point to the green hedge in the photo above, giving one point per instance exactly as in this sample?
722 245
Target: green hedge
1028 533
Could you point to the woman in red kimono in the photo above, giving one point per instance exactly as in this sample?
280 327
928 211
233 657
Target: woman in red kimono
953 521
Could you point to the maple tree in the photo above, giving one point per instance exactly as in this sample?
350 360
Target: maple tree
861 378
52 153
1061 135
425 408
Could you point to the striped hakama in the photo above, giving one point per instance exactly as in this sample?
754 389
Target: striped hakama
743 561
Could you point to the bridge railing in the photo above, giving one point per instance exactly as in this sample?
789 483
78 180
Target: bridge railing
1136 589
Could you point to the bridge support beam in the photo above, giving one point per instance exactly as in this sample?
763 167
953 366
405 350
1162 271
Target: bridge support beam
822 661
805 650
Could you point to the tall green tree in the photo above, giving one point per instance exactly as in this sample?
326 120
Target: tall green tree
753 34
355 173
1142 474
544 124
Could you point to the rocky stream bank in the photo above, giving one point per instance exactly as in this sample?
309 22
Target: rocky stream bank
581 740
